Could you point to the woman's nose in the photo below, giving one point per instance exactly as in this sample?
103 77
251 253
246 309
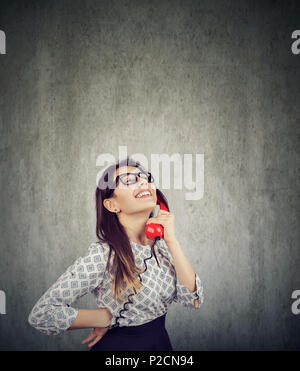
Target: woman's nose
142 181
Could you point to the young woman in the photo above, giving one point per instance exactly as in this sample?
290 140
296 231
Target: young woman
134 279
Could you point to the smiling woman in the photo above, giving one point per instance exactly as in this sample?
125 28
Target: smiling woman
122 215
133 293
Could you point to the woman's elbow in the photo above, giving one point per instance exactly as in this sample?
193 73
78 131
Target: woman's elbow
32 319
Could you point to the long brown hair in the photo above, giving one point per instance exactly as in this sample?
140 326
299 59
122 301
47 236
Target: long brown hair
110 230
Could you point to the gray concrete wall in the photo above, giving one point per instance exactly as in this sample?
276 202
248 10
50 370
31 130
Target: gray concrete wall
81 78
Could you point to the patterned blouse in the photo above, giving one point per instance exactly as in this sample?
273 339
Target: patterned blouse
53 314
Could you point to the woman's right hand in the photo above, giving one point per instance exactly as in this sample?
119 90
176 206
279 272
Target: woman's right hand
97 333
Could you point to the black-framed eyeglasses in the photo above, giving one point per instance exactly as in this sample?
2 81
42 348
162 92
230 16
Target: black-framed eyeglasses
132 178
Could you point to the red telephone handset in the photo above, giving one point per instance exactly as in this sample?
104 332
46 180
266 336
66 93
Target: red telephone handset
156 231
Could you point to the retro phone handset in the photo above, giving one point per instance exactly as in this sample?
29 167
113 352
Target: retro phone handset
156 231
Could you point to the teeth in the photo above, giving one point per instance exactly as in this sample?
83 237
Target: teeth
143 194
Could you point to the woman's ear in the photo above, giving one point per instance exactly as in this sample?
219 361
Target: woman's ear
110 205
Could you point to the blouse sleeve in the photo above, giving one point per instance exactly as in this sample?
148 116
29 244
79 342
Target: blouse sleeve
52 314
183 295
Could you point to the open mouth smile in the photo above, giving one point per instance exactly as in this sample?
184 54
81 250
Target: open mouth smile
143 194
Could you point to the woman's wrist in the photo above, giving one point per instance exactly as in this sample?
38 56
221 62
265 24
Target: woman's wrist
87 318
104 312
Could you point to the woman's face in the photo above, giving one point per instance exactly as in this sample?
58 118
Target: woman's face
125 197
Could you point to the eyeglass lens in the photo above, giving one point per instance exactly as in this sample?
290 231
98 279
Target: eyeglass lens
131 178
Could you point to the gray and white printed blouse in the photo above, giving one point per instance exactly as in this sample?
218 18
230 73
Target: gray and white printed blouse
53 314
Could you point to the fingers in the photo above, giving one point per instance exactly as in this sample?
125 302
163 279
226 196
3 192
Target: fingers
95 341
163 212
196 303
162 216
157 220
97 333
165 215
90 337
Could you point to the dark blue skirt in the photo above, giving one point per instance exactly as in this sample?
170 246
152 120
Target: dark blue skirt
149 336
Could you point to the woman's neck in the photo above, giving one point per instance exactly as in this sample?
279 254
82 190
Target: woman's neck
134 226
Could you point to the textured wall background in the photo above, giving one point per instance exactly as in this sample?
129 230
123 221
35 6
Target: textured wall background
81 78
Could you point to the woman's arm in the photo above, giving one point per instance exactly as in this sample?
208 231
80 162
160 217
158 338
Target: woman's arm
184 271
87 318
184 293
189 289
186 276
53 313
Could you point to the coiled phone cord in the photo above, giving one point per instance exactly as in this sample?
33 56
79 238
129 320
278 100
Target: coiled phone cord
140 278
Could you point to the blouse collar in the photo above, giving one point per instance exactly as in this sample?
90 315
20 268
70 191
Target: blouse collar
138 246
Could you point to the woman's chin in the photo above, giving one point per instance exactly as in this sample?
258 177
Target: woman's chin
147 203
